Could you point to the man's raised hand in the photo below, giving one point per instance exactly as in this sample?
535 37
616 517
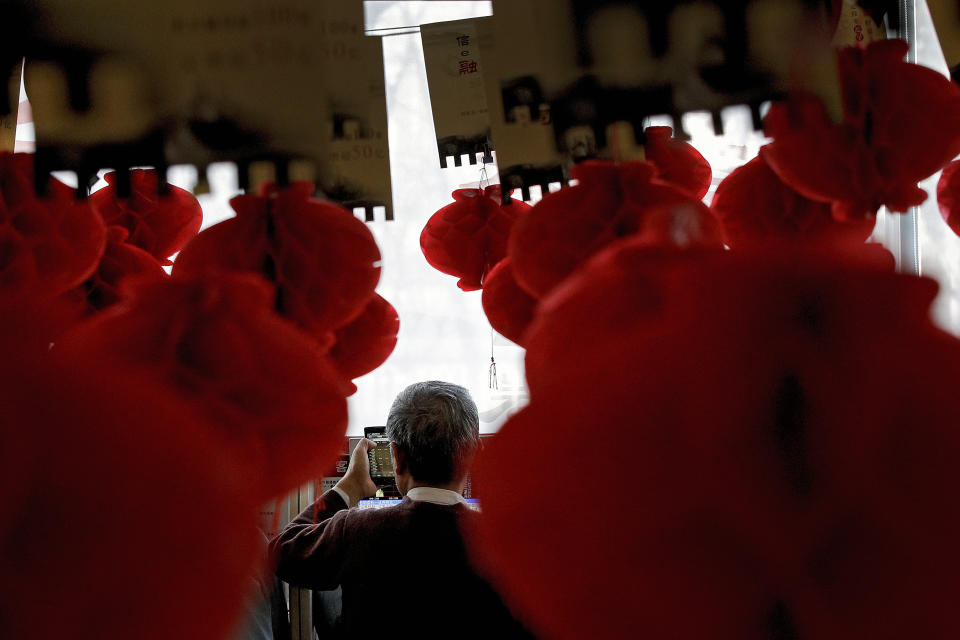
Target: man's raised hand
357 482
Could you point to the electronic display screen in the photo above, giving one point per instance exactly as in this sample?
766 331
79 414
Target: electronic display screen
381 463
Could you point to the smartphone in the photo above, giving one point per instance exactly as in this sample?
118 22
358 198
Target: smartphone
381 463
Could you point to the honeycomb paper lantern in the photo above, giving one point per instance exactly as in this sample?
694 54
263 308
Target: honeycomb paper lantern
888 140
508 307
325 263
120 261
158 224
948 190
754 207
365 343
469 236
274 397
610 201
678 162
112 488
47 245
751 480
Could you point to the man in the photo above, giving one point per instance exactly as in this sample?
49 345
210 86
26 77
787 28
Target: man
404 569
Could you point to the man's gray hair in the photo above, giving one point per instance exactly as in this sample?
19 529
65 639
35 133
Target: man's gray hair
437 427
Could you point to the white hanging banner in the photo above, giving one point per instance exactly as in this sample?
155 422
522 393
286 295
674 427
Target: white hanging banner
458 98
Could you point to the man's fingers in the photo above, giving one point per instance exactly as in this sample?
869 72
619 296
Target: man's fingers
364 445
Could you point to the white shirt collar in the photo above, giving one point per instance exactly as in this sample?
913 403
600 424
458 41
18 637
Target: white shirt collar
435 495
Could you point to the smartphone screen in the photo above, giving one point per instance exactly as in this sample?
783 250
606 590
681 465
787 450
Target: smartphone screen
381 464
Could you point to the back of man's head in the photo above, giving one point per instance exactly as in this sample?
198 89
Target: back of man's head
437 427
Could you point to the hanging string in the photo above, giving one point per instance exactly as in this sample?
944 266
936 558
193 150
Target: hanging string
492 371
492 374
483 183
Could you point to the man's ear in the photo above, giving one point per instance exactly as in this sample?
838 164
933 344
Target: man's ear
399 461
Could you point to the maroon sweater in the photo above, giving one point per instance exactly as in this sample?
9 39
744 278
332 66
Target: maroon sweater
403 569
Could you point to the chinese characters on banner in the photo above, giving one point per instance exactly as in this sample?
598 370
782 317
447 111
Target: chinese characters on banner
466 65
462 61
457 91
856 26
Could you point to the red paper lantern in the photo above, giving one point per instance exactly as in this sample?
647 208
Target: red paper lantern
120 260
160 225
678 161
629 286
468 237
679 227
111 488
752 482
508 307
887 141
366 342
948 196
610 201
325 263
754 206
47 245
214 340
